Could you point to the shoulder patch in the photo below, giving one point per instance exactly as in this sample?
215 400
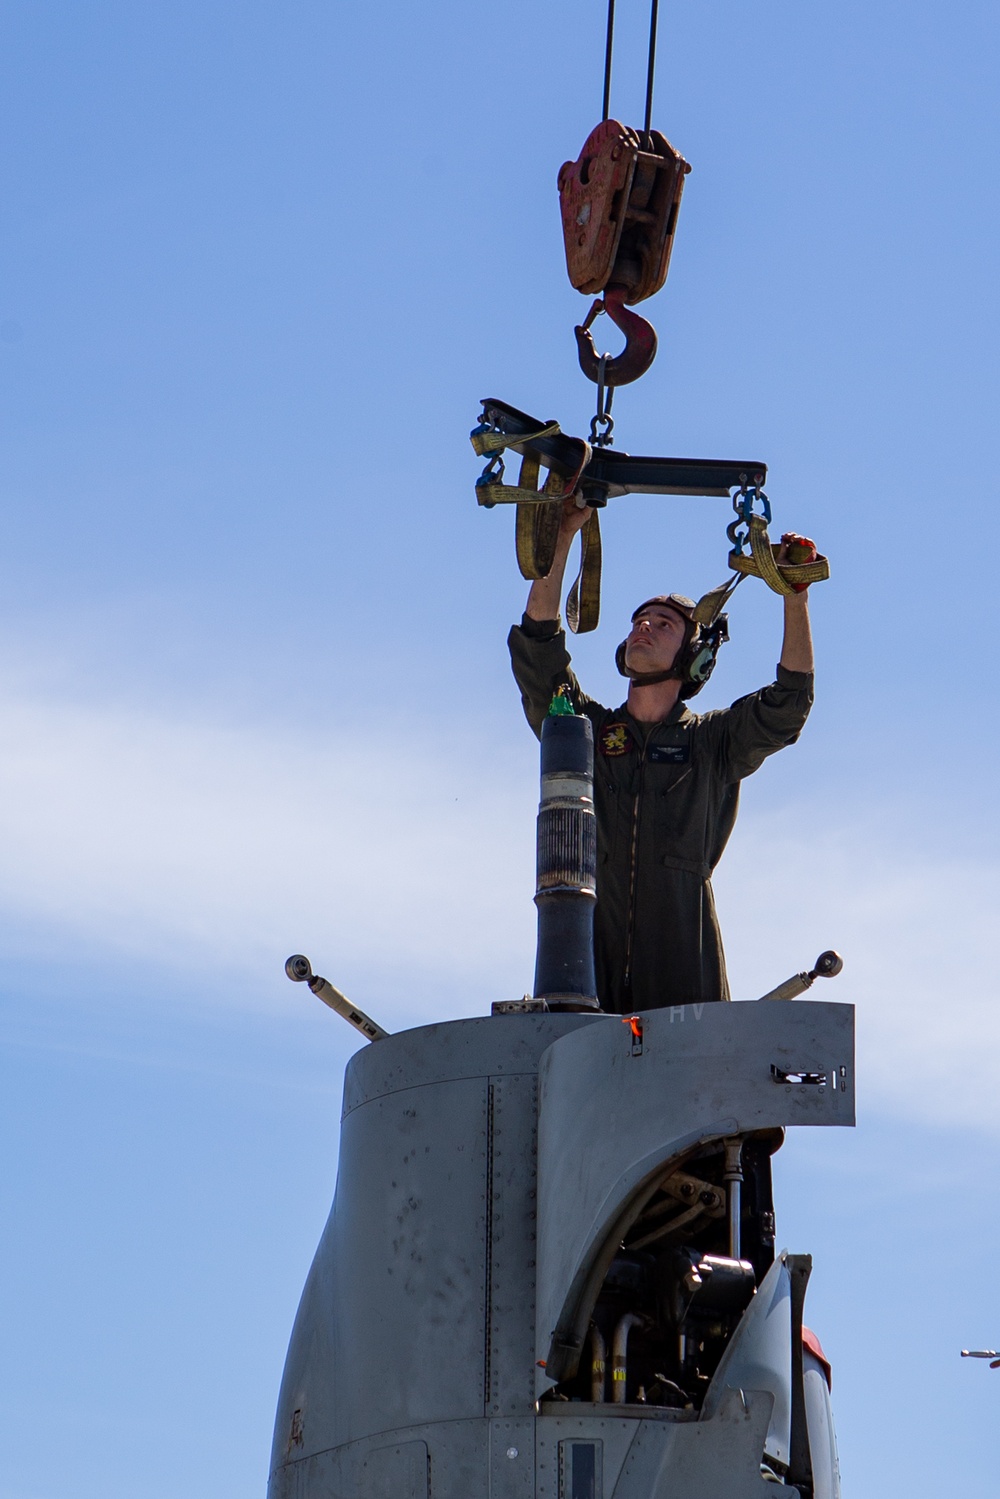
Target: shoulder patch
615 739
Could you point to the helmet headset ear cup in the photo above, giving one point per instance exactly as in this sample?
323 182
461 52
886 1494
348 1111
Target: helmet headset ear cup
702 653
699 670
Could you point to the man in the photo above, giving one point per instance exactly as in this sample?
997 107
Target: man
666 781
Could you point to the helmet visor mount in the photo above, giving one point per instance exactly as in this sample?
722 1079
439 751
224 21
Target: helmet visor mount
679 602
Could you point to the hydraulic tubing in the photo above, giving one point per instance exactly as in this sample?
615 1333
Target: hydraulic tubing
566 887
733 1176
598 1360
619 1356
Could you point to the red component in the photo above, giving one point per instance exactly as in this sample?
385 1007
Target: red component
635 1023
800 549
593 191
812 1342
619 203
800 544
640 342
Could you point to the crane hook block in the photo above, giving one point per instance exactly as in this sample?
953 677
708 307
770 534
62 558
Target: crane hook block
640 343
619 203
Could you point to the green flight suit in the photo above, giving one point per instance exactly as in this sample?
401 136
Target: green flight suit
666 797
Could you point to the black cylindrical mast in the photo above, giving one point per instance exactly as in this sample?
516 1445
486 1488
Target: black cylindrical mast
566 887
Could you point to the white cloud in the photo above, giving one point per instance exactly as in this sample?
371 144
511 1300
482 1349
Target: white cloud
170 841
386 854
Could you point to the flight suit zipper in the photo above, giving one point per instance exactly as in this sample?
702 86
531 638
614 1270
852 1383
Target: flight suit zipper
633 872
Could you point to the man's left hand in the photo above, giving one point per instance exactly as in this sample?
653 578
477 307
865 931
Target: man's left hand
796 549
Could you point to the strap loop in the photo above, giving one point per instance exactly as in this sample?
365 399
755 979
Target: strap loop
783 578
536 528
763 563
583 604
486 439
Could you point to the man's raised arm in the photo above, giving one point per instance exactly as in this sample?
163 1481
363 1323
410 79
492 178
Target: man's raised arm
762 722
796 644
538 651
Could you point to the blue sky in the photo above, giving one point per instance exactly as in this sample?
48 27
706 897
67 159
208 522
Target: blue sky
260 263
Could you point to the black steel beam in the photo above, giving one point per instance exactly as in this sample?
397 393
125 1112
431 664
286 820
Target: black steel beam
609 473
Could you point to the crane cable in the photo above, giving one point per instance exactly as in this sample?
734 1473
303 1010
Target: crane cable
650 61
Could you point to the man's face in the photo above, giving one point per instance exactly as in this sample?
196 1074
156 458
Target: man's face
656 636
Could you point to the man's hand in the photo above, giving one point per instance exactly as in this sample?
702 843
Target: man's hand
796 549
574 518
546 593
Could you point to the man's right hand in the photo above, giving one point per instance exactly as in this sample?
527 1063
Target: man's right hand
546 593
574 518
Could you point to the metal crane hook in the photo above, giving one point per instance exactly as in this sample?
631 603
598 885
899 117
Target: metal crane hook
640 341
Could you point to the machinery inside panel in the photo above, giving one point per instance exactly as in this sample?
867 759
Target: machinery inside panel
675 1292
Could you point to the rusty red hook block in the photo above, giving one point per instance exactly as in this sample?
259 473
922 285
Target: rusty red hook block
640 342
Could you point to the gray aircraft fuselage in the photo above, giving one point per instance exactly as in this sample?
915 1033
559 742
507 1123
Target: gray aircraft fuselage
550 1270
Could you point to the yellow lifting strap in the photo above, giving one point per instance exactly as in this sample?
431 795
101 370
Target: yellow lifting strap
484 443
583 603
536 534
537 519
711 604
763 562
539 515
490 489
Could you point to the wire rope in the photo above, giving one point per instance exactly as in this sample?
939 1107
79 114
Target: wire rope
651 63
607 59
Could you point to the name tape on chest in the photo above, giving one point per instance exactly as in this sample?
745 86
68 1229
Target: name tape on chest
670 754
